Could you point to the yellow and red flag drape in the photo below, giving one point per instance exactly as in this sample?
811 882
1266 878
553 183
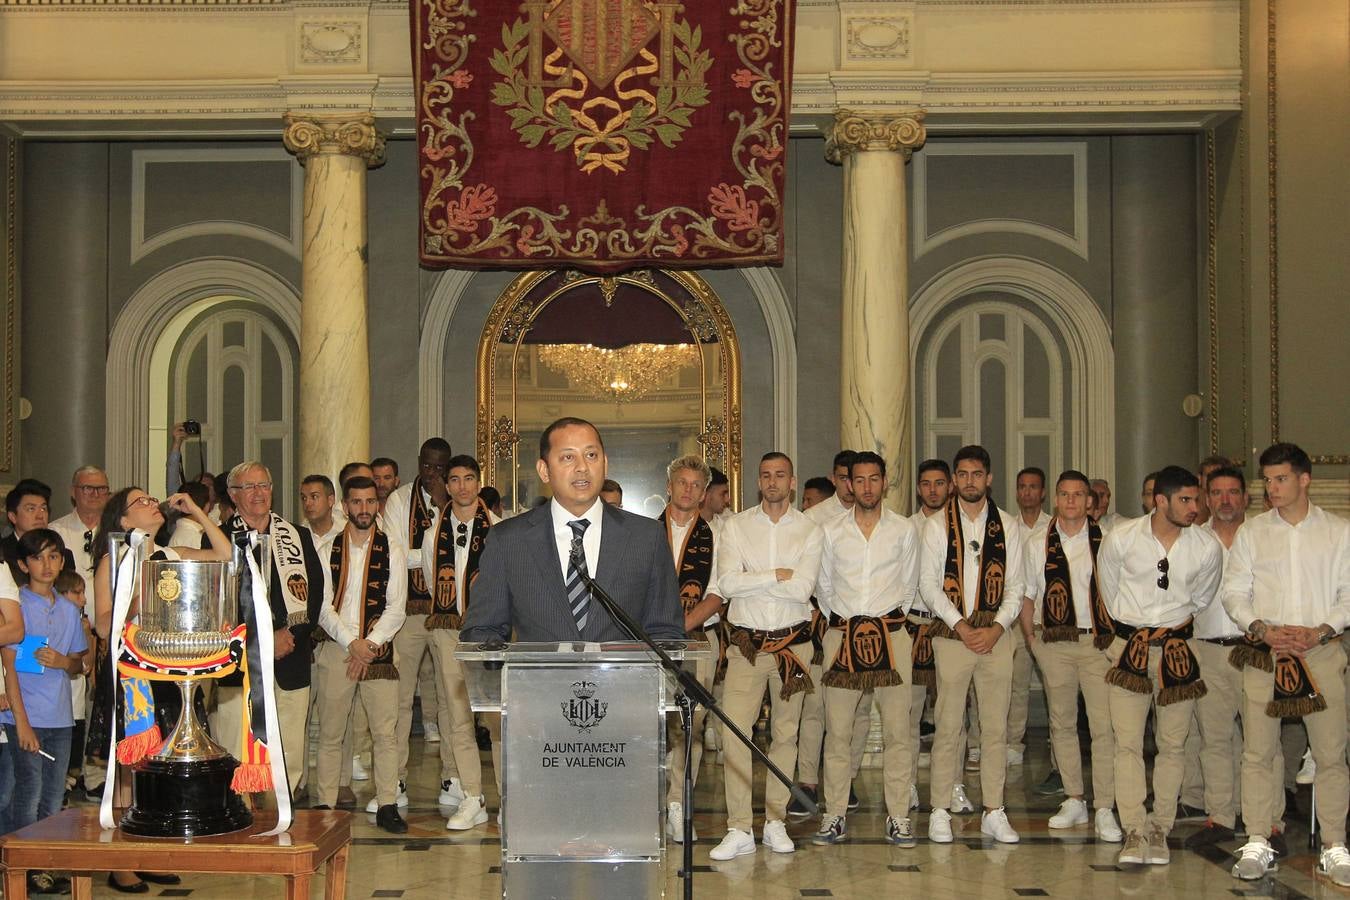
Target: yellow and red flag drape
602 134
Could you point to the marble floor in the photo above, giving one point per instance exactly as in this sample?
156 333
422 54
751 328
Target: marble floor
429 862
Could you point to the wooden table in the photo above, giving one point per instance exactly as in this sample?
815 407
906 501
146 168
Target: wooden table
72 841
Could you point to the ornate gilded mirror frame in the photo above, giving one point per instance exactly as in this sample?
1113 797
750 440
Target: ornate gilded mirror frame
515 312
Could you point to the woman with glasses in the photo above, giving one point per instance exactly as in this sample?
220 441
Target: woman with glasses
133 510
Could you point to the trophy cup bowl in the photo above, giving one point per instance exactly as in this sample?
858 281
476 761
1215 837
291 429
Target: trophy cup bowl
182 789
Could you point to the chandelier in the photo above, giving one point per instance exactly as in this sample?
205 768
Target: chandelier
622 374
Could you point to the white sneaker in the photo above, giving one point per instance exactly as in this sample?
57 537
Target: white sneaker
710 739
1014 757
1255 859
925 760
972 759
913 796
736 843
960 802
374 805
940 827
675 822
1308 773
452 793
470 813
1107 828
1071 812
431 732
776 837
1335 864
995 824
359 772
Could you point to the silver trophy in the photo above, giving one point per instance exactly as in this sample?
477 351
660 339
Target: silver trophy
186 612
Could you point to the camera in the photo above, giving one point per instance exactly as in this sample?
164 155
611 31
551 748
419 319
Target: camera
192 427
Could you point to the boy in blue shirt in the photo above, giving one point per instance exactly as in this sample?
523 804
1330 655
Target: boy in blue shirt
38 722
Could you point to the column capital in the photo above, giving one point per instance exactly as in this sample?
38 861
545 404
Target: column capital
854 132
309 135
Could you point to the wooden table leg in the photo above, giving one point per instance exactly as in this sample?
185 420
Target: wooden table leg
81 886
16 884
297 886
335 880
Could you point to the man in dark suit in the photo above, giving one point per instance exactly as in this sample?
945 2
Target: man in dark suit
527 579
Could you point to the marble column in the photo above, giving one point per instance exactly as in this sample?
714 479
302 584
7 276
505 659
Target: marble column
334 353
874 379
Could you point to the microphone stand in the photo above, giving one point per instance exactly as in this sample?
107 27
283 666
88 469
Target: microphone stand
692 691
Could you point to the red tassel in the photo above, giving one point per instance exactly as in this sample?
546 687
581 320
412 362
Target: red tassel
131 750
251 778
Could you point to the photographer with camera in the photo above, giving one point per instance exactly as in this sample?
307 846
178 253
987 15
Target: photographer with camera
173 466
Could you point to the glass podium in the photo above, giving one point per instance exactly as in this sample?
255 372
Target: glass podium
583 759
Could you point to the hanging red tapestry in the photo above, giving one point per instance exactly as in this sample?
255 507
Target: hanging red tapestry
602 134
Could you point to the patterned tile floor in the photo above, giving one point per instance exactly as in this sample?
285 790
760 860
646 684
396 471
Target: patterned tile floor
430 862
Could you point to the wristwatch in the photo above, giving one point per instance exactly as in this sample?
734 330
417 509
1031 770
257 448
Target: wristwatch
1257 630
1325 634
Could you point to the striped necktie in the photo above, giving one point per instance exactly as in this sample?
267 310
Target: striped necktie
578 594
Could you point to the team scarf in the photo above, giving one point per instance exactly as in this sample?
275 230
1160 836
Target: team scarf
723 642
1179 670
791 672
693 566
288 556
923 666
993 567
421 600
864 659
820 626
445 611
1296 693
374 596
1060 616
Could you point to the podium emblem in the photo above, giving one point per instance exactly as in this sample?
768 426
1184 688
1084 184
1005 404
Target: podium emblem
583 712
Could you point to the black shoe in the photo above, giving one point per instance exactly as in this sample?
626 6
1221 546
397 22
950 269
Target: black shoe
1279 844
926 729
795 810
1189 813
387 817
1210 833
483 736
159 877
853 801
1051 786
321 806
139 887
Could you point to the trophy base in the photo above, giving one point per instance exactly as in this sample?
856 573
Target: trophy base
175 799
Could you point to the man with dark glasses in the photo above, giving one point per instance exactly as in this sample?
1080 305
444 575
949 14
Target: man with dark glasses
1156 573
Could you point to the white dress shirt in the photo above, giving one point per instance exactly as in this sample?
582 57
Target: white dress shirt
461 555
678 535
590 540
861 576
1213 621
186 533
1111 521
1042 520
333 531
396 510
76 534
1288 574
752 547
1127 569
1078 553
933 568
827 510
345 626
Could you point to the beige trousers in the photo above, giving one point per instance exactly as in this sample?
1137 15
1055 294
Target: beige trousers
1020 699
991 673
893 703
410 644
742 693
811 731
1067 668
1219 715
292 718
704 671
338 696
1326 735
1129 712
460 736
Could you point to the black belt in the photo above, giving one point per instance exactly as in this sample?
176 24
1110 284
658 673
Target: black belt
919 614
1183 631
778 633
1225 642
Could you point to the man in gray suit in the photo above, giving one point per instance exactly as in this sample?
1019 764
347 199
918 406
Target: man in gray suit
528 579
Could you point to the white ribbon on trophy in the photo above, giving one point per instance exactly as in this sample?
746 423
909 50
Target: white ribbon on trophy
276 753
124 589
